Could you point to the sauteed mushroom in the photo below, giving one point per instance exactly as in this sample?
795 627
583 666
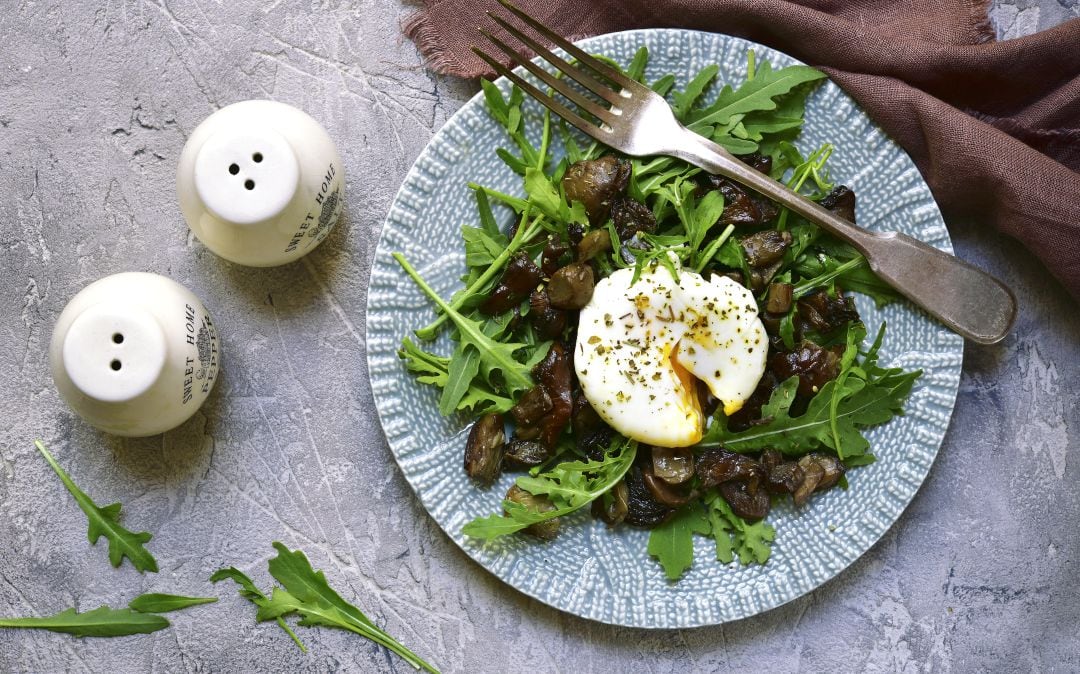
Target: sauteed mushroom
642 509
572 286
613 506
518 280
532 406
483 449
840 201
547 320
826 313
594 183
673 466
525 454
547 529
670 495
554 374
592 244
813 365
748 499
630 217
716 466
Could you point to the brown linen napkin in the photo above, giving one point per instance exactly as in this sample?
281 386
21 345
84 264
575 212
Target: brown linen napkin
993 126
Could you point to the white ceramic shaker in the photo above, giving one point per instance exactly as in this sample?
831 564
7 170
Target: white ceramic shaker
134 354
260 183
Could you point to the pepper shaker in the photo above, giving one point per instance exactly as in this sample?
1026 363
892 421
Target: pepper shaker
260 183
134 354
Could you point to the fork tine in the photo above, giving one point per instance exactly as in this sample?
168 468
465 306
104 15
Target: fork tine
596 110
583 78
550 103
567 46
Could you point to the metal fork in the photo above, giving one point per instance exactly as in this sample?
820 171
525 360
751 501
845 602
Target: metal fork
639 122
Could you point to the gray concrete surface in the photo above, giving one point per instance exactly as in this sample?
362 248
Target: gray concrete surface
96 100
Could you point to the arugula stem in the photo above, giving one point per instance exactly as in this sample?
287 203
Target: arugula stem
811 166
803 288
524 233
288 630
516 203
713 247
545 140
390 643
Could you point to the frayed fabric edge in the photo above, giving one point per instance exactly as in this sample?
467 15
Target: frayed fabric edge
437 57
981 24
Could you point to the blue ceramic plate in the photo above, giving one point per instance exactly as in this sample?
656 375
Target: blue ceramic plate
605 575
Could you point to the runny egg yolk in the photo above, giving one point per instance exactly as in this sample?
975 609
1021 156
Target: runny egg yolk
642 346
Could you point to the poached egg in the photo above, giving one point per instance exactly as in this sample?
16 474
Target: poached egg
641 345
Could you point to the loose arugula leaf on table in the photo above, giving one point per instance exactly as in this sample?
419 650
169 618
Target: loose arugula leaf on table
163 603
100 622
249 591
305 592
570 486
672 543
106 522
863 395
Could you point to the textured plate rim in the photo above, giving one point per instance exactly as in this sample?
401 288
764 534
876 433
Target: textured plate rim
878 529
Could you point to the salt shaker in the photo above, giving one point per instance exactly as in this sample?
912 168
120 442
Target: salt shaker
260 183
134 354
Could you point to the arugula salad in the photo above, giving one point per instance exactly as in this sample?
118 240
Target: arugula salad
661 346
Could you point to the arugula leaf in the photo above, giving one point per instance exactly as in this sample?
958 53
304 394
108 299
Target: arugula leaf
496 104
307 593
734 535
663 85
672 543
494 356
686 99
481 248
864 395
478 398
548 200
524 234
255 596
428 368
100 622
543 194
636 69
752 95
722 531
106 522
570 486
163 603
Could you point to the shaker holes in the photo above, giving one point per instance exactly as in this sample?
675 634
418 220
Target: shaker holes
115 365
257 157
117 338
249 184
234 169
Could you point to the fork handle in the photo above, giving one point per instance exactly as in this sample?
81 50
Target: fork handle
966 299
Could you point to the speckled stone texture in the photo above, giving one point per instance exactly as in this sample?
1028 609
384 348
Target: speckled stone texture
95 102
